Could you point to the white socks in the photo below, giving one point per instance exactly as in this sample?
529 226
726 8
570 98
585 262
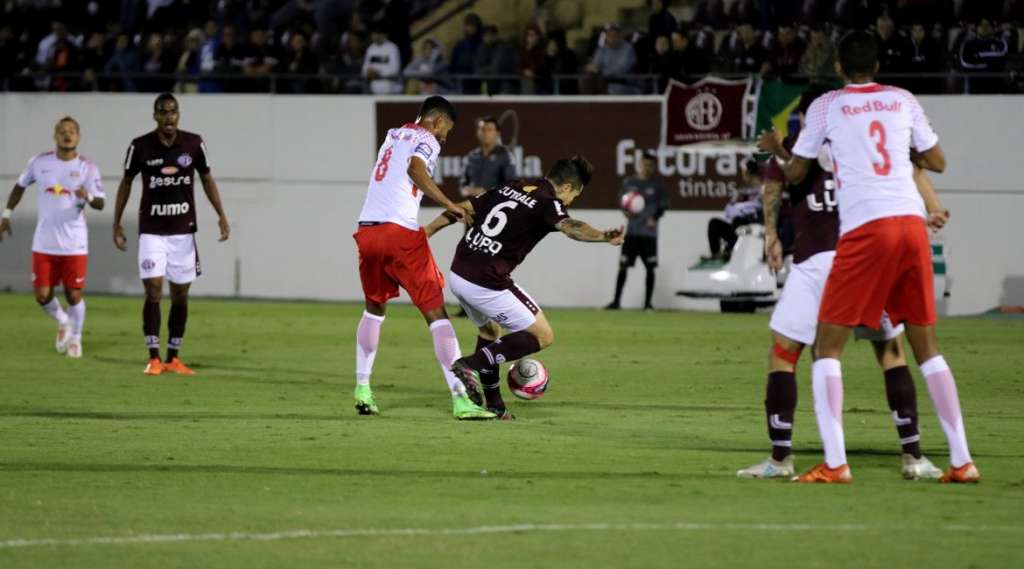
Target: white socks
54 309
77 316
942 389
367 339
827 386
446 348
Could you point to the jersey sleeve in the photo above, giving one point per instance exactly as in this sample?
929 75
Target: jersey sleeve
812 136
132 160
553 212
94 182
202 158
427 149
28 175
922 136
773 172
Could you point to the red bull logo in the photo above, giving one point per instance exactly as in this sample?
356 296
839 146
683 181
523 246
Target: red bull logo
59 190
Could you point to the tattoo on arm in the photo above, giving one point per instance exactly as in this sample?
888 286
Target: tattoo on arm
772 204
580 230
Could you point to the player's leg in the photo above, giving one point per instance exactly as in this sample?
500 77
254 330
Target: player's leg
176 322
367 341
626 260
73 280
490 376
152 269
44 278
378 287
467 400
650 260
516 311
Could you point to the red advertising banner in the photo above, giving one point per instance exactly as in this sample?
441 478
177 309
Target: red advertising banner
612 135
710 109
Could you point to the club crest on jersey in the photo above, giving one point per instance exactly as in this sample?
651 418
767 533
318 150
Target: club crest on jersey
148 264
184 160
169 170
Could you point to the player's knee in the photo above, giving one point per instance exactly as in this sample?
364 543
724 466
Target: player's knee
43 295
154 294
73 295
545 337
490 331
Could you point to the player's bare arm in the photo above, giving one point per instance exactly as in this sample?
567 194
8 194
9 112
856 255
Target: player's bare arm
938 216
583 231
213 194
933 159
124 191
772 199
93 202
421 178
796 169
447 218
771 141
12 202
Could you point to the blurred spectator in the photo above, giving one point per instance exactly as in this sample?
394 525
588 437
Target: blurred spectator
743 209
661 22
347 63
495 57
613 60
326 14
48 45
382 64
741 52
924 57
690 62
208 58
425 70
463 60
229 58
8 57
785 53
259 59
662 63
299 59
531 58
94 59
818 12
393 17
984 52
558 60
158 61
820 56
188 68
124 60
490 164
893 52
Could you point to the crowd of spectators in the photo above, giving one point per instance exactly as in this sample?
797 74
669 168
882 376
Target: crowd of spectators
365 46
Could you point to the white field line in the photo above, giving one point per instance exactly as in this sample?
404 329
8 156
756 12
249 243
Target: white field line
518 528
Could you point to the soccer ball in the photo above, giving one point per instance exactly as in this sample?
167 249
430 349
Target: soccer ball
528 379
632 203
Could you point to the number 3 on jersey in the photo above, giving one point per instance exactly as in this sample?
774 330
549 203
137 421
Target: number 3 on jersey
877 132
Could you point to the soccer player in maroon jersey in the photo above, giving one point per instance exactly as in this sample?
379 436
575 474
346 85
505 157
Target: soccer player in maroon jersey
815 219
508 223
169 161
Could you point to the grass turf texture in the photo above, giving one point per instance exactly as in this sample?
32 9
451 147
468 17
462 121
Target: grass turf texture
647 418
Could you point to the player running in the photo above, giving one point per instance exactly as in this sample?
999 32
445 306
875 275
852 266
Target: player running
795 318
509 222
169 161
393 249
876 134
67 182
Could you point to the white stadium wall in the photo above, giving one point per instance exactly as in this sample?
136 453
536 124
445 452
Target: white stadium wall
292 173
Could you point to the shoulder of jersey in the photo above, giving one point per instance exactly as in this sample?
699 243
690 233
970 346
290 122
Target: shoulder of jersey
43 155
187 135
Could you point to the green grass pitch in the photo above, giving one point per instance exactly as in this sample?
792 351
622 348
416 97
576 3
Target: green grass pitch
629 460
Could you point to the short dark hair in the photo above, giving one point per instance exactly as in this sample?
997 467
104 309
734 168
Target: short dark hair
68 118
161 98
437 104
576 171
813 91
489 119
858 53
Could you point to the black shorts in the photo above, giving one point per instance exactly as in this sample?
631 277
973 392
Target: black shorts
646 248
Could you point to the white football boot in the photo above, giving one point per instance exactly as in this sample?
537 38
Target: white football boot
63 336
770 468
75 348
919 468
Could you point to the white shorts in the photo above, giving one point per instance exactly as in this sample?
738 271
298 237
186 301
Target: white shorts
171 256
796 314
513 309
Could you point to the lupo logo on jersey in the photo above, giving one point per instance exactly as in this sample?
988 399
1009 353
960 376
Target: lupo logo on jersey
184 160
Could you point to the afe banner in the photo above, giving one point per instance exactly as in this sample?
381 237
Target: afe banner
612 135
710 109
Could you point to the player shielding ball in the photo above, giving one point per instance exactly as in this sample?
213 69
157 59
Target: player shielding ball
509 222
815 218
67 182
169 161
883 260
393 249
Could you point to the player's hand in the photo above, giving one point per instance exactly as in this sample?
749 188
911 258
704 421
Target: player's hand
5 227
616 236
119 241
464 213
225 229
81 194
770 141
773 251
938 219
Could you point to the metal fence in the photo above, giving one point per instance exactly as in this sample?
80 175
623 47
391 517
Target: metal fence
951 82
